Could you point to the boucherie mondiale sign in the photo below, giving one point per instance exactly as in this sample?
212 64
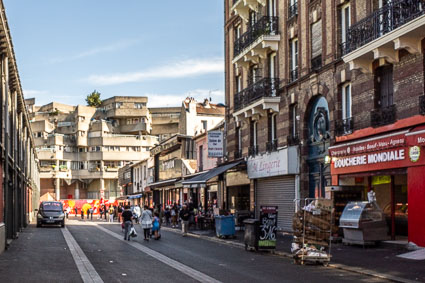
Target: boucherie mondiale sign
371 158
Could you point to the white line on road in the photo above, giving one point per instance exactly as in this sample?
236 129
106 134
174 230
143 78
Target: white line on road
86 269
195 274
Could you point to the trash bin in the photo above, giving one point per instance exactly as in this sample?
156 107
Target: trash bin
224 226
252 233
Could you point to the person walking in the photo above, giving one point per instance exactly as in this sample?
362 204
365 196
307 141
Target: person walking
185 216
119 213
67 211
167 214
111 214
76 210
156 226
173 213
100 212
82 213
90 212
127 216
146 221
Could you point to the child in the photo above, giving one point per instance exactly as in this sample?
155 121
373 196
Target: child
156 226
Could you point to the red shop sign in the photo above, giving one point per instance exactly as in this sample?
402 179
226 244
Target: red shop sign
371 145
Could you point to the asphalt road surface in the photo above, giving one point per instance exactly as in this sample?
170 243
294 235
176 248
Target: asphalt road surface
87 251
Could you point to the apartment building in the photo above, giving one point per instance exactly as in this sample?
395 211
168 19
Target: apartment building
81 148
165 121
329 81
19 170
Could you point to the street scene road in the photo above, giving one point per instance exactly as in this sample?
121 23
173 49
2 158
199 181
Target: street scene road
42 254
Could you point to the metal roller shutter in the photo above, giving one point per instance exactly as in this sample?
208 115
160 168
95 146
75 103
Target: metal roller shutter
278 191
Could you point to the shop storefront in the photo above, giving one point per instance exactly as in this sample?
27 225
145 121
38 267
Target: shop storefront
393 166
276 183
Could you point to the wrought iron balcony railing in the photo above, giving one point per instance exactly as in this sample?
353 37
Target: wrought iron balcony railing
293 139
344 126
383 116
266 87
293 10
316 63
293 75
422 105
271 145
253 150
382 21
267 25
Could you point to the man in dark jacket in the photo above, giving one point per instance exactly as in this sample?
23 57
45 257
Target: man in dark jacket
184 215
127 216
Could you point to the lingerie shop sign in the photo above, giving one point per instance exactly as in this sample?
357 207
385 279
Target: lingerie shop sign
268 165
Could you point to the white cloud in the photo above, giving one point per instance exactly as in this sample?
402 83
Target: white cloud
94 51
182 69
170 100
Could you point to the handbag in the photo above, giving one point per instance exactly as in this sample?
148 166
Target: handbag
133 232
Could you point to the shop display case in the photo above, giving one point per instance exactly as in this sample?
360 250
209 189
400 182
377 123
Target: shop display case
363 223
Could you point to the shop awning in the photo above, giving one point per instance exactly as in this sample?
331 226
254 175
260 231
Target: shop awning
135 196
163 183
203 178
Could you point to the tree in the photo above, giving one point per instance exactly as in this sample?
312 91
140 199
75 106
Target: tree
93 99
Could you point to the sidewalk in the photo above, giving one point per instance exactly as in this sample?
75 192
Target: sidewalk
380 261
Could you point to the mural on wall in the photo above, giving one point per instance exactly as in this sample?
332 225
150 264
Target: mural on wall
86 204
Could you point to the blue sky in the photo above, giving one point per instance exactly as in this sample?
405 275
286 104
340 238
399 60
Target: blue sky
165 50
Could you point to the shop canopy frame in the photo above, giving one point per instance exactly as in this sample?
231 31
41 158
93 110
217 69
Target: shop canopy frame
201 180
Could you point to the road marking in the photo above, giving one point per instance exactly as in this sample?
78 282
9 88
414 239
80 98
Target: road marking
195 274
86 269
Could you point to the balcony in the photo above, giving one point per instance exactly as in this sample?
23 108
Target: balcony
256 42
293 10
398 25
271 145
242 7
422 105
293 140
253 150
344 126
257 98
383 116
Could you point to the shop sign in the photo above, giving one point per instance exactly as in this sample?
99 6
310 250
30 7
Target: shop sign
215 144
369 146
268 165
268 226
414 153
372 158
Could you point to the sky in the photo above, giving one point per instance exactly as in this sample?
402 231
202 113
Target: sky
164 49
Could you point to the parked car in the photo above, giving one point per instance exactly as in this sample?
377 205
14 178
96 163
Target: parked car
51 212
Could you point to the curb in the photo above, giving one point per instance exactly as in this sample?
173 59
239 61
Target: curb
344 267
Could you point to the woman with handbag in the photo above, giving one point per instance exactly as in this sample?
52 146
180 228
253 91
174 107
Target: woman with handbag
146 221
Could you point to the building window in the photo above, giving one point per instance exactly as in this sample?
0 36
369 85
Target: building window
139 105
384 86
238 142
316 45
254 74
293 8
237 31
201 158
293 112
345 22
118 104
252 18
346 101
238 83
293 44
205 125
253 138
271 8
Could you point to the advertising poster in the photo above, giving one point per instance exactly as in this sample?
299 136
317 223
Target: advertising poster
268 227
